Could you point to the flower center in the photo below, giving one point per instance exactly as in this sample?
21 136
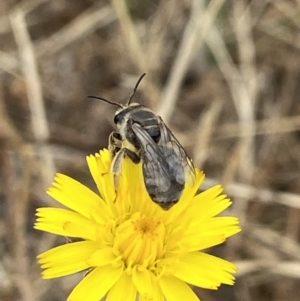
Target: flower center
140 240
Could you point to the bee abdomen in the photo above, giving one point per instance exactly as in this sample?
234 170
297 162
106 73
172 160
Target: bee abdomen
166 199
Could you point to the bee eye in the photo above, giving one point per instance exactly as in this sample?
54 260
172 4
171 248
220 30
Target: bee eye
117 118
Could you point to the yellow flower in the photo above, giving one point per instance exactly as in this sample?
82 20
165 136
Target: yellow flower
130 245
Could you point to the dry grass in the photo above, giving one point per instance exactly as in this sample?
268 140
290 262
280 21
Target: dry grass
224 76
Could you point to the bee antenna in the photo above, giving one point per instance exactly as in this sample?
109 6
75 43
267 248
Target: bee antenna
135 88
108 101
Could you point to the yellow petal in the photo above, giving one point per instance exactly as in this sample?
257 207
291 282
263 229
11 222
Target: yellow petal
176 290
209 194
102 176
208 208
95 172
101 257
205 270
223 225
96 284
157 293
65 222
124 290
196 242
76 196
190 191
67 259
143 281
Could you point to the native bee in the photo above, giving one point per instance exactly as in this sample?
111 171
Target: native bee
143 136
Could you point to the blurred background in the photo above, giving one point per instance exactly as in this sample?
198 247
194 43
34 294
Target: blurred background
225 77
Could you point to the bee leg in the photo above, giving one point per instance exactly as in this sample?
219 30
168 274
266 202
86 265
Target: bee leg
117 162
115 147
114 143
132 155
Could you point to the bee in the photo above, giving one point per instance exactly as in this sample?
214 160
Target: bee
143 136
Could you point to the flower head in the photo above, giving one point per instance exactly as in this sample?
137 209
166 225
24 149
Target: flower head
129 243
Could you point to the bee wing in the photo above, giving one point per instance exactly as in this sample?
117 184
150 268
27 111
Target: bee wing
155 167
179 159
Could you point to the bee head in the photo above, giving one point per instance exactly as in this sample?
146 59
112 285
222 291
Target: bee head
123 113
